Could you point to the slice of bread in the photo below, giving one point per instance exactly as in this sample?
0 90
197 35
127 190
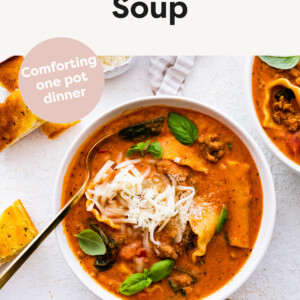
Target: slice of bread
53 130
16 120
9 73
16 231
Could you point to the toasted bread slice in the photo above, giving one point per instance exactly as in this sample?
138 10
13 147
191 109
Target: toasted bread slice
16 120
16 231
53 130
9 72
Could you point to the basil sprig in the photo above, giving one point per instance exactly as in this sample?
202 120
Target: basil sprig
139 281
184 130
154 148
161 270
90 242
222 219
281 62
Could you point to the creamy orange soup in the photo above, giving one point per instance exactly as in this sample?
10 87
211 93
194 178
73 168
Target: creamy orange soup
284 110
217 167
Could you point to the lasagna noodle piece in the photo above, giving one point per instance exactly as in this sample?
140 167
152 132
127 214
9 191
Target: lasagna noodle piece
9 73
204 225
189 155
16 120
16 231
53 130
238 208
268 120
97 214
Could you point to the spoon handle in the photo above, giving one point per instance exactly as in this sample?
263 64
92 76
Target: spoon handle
33 245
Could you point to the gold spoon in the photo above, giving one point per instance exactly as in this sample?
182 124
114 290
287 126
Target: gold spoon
33 245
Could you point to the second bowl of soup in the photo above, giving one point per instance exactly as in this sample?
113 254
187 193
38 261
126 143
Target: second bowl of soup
274 96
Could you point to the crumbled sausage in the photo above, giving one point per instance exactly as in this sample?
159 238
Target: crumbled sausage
168 247
79 227
129 251
211 147
285 113
166 251
180 173
182 280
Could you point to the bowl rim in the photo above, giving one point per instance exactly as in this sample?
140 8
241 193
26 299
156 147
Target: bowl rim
271 146
269 198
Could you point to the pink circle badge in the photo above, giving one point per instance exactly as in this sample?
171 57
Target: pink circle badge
61 80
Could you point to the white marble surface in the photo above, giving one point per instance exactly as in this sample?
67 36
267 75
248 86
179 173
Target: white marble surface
28 170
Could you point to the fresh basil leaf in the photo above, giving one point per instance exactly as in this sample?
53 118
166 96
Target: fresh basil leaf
155 149
222 219
281 62
184 130
161 270
134 284
90 242
140 147
137 282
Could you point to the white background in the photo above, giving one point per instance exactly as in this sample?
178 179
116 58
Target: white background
28 170
211 27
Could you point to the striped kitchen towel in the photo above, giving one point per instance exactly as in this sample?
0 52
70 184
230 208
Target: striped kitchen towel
167 74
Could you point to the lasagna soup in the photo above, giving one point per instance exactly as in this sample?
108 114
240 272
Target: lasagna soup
276 96
173 208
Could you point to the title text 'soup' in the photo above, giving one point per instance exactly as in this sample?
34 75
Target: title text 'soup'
141 9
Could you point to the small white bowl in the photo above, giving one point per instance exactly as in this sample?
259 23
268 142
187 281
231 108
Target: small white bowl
272 147
269 202
116 71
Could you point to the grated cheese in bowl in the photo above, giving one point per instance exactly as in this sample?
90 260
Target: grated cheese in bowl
124 195
110 62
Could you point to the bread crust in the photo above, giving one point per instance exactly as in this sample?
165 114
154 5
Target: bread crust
9 72
16 231
16 120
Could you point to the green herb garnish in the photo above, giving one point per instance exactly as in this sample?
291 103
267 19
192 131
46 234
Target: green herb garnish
139 281
226 238
281 62
229 146
176 288
140 147
222 219
194 278
106 261
287 94
90 242
135 283
160 270
154 148
184 130
144 130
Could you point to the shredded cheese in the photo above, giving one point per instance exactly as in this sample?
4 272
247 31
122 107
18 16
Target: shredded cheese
127 199
109 62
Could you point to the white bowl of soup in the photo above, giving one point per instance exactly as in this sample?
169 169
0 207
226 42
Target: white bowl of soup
182 191
268 92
